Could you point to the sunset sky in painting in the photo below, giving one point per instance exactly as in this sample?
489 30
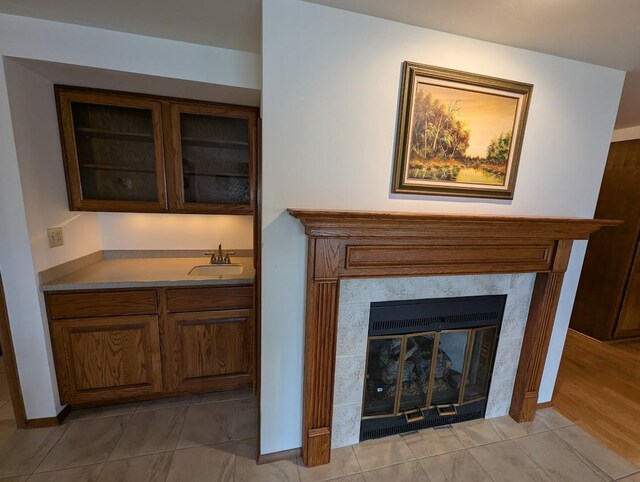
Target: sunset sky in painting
486 115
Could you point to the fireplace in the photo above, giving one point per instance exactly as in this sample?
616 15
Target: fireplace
428 362
358 244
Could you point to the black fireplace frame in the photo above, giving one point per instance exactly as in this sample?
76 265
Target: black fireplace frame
432 315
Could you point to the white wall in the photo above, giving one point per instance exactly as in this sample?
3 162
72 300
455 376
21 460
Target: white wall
330 97
37 144
175 231
37 140
20 286
29 137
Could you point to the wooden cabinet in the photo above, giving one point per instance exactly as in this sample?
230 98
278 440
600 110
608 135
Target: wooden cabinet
629 319
209 350
113 151
208 338
107 358
112 345
212 165
101 303
607 304
140 153
206 299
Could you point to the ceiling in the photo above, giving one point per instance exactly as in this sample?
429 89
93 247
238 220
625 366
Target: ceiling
231 24
595 31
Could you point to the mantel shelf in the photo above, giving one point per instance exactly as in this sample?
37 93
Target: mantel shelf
322 223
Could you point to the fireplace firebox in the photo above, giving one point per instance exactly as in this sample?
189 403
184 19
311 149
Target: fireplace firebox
429 362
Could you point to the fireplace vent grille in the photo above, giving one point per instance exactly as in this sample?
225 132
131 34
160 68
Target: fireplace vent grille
427 422
410 323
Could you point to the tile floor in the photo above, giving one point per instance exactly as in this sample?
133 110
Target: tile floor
212 438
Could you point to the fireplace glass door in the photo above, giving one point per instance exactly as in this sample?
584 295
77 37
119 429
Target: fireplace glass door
415 372
483 346
382 375
449 365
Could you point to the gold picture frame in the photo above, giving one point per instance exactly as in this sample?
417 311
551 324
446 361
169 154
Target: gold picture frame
459 134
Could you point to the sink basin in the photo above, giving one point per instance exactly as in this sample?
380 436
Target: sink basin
216 269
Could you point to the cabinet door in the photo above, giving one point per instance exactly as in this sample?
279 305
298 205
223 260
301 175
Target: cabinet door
113 149
629 319
210 350
100 359
610 251
214 151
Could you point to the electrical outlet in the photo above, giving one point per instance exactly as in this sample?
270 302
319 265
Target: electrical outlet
55 237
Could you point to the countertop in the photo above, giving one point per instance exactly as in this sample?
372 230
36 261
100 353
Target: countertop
146 272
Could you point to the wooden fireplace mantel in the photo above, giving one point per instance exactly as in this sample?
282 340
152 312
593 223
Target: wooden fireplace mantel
348 244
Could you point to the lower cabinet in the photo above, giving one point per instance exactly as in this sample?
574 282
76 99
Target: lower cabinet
191 340
210 350
107 358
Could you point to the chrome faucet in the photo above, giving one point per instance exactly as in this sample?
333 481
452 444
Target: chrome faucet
218 257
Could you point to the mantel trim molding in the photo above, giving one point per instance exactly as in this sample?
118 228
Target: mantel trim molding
348 244
321 223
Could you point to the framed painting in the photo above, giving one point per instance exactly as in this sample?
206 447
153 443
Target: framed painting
459 134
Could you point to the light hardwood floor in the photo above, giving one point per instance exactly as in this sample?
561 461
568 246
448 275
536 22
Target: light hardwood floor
598 387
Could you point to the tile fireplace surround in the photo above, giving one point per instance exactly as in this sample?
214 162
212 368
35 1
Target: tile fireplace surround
358 244
353 324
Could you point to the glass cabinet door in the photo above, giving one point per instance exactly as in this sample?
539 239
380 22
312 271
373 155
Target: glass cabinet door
215 158
113 151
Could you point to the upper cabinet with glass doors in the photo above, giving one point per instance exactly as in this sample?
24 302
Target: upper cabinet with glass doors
138 153
213 164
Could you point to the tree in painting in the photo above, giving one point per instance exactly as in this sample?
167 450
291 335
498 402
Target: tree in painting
436 132
445 124
498 150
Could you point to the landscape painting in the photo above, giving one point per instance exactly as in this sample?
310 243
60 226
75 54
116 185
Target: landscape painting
459 133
